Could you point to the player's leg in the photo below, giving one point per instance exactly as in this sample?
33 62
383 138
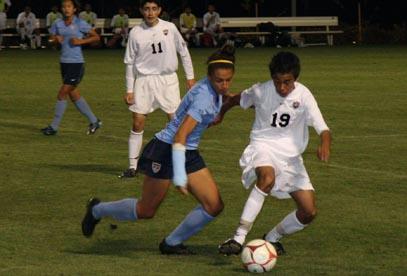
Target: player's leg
3 19
298 219
60 107
77 70
135 143
204 189
37 38
128 209
265 181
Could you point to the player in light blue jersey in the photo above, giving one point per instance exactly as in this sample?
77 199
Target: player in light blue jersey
173 154
71 33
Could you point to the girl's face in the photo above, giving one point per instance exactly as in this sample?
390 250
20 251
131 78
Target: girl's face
68 8
150 12
221 79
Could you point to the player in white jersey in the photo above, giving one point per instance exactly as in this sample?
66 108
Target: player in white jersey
151 79
4 5
284 110
28 28
52 16
120 25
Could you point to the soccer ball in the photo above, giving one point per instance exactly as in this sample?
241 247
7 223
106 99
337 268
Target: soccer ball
259 256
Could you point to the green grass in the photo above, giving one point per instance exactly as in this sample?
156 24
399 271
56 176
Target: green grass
46 181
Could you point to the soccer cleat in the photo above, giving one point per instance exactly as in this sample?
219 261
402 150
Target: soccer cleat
48 131
94 126
230 247
277 246
178 249
129 173
89 221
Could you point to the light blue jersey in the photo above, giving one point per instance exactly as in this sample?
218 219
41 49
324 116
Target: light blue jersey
203 104
77 29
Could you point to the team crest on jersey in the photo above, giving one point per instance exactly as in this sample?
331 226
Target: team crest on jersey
165 31
296 104
156 167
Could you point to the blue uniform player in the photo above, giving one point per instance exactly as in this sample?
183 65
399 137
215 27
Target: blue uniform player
173 154
71 33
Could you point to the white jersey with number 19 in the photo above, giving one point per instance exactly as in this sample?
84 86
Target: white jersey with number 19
282 122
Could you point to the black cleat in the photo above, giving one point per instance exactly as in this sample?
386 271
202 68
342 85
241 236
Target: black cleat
48 131
178 249
129 173
89 221
230 247
277 246
94 126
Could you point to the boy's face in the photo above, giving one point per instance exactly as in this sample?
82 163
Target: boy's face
150 12
284 83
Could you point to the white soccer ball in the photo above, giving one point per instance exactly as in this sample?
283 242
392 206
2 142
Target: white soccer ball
259 256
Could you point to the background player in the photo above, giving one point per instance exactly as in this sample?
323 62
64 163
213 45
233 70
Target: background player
151 78
28 28
284 110
70 34
4 5
173 154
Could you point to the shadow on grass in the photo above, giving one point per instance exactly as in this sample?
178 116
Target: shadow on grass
98 168
21 125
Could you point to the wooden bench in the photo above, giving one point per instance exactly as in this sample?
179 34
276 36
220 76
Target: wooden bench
307 25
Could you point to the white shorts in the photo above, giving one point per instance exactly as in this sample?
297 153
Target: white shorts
3 20
291 174
156 91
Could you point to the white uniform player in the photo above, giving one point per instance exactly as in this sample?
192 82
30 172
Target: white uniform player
284 110
27 26
4 5
151 79
280 135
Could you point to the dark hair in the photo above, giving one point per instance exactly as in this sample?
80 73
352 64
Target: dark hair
285 63
143 2
75 3
227 52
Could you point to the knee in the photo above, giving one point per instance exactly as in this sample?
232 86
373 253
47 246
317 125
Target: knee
138 126
265 182
145 212
214 209
307 216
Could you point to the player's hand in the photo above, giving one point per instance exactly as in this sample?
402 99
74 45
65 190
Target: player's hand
216 121
190 83
56 39
76 41
323 153
129 98
183 190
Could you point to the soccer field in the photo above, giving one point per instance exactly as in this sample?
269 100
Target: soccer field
46 181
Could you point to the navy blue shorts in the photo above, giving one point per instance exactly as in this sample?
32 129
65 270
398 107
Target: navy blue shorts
156 160
72 73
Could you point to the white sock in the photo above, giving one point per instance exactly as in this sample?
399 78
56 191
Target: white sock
135 143
250 211
289 225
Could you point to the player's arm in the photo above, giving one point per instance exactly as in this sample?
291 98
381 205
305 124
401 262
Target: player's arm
324 149
92 36
129 60
178 153
186 60
229 100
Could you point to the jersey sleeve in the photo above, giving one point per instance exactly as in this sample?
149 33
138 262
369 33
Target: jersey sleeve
247 97
182 50
198 108
84 27
314 115
54 30
113 21
129 60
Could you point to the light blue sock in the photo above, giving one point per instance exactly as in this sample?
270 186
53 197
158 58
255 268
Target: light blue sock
121 210
84 108
192 224
60 108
